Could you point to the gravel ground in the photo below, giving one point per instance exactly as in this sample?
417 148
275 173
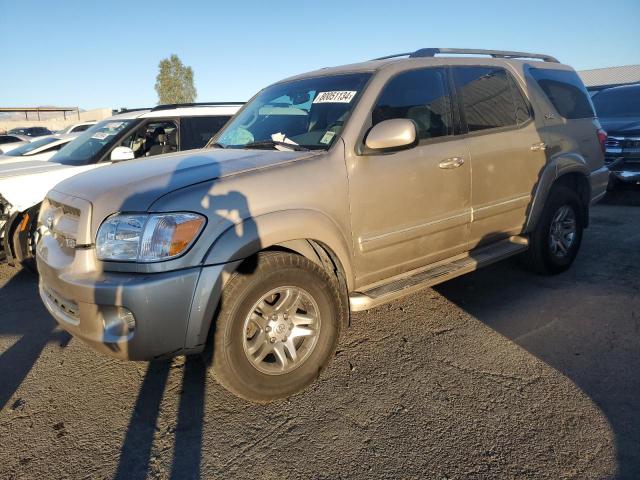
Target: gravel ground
498 374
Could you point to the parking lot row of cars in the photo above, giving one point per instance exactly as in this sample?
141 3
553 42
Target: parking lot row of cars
329 192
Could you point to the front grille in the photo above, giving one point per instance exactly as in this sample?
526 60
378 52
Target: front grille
67 308
623 145
60 221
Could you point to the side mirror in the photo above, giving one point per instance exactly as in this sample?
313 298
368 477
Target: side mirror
392 134
121 153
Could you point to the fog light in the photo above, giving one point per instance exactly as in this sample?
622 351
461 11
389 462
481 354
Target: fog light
120 324
127 317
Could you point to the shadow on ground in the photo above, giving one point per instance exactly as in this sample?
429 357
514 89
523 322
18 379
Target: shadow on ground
580 336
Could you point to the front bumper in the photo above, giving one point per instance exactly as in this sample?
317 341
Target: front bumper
624 169
169 318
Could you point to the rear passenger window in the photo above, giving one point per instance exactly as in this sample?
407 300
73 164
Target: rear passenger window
418 95
196 131
489 98
566 92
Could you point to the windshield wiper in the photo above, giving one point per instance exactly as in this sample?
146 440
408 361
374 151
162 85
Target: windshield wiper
274 143
216 145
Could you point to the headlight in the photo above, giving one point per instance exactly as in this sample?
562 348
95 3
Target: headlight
147 238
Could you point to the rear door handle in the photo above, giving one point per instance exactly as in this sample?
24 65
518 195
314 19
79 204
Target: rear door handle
453 162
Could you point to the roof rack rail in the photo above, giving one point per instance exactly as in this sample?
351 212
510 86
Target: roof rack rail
125 110
169 106
432 52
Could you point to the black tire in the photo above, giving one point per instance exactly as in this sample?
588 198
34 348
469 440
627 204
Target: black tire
539 257
24 241
270 270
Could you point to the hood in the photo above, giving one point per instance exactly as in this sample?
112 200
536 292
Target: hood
621 126
134 185
28 167
24 188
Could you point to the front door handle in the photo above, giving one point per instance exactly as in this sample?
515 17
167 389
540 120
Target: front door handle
453 162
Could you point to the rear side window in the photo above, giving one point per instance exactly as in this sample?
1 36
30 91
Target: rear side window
566 92
196 131
418 95
8 139
489 98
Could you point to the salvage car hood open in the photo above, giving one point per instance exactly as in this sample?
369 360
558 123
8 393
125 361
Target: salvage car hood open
134 185
25 184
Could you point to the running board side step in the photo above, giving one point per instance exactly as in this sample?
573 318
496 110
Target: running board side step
436 273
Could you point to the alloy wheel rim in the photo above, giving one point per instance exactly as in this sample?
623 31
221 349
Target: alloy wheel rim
562 233
281 330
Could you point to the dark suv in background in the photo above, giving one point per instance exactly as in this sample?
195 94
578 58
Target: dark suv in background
31 131
618 109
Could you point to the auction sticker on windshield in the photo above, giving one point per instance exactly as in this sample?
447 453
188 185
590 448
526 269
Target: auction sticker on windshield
337 96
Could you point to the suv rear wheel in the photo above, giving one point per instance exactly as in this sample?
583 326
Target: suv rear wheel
277 327
556 239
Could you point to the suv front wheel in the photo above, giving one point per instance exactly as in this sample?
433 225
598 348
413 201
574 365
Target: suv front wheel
555 242
277 327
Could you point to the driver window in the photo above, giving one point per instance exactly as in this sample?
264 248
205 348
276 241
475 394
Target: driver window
154 138
418 95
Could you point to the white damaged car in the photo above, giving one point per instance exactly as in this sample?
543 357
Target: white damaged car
129 135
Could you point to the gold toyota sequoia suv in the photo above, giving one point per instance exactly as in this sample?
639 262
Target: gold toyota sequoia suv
329 192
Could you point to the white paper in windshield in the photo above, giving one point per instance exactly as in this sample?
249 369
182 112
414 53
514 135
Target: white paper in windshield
336 96
100 135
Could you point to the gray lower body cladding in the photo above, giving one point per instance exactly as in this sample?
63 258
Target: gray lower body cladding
134 316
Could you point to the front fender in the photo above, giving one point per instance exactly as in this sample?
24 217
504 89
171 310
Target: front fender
253 234
559 165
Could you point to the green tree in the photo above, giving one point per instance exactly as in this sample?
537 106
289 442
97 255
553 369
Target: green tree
174 83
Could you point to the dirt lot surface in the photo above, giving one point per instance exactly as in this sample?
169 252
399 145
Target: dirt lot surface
498 374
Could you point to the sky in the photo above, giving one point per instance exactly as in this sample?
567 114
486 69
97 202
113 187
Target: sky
95 54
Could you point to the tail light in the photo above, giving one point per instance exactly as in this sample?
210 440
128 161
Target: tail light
602 138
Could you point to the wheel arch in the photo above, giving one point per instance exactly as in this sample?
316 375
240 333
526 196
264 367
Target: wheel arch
570 170
309 233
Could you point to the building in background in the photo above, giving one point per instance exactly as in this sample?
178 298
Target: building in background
53 120
600 78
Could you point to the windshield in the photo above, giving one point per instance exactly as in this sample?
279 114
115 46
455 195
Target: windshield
92 143
309 113
623 102
29 147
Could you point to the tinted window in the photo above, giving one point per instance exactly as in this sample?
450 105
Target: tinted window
421 96
80 128
565 91
9 139
618 102
521 104
486 97
196 131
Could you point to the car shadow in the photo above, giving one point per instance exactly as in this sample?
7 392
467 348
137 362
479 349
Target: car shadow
17 361
581 324
224 210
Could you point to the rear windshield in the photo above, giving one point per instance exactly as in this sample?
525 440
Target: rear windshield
29 147
566 92
618 102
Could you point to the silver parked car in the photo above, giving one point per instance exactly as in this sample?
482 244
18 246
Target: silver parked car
336 190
